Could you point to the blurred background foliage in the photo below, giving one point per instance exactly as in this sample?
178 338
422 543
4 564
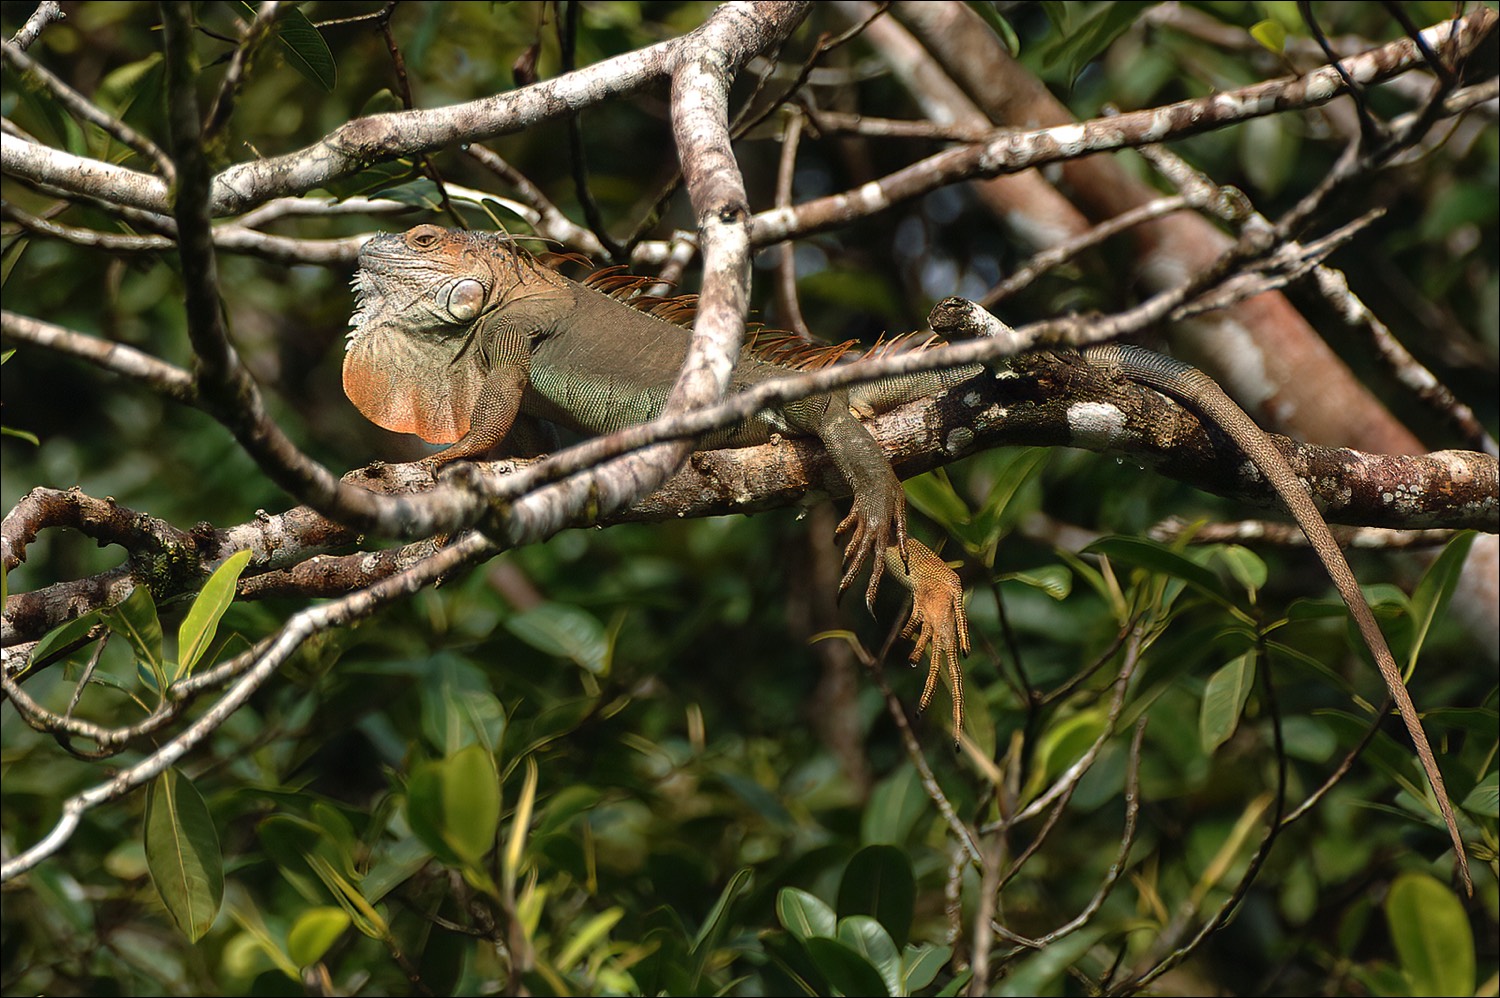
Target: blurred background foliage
616 762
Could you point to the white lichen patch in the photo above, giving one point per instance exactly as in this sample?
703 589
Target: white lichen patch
1095 425
960 440
1070 139
1244 105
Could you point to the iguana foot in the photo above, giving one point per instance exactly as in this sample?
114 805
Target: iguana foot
876 522
937 620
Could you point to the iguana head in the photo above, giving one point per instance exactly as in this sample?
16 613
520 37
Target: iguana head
431 305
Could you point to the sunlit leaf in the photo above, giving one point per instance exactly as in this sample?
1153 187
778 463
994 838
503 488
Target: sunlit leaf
869 939
1270 34
202 621
803 915
313 932
453 804
1054 580
1430 930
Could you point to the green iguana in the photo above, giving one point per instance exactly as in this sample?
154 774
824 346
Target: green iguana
455 334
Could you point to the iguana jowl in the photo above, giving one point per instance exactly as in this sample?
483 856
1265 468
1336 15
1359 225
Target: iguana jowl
457 333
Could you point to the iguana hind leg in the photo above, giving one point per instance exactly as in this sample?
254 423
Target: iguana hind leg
876 526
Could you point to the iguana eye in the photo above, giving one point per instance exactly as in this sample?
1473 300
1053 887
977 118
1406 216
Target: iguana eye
465 299
424 237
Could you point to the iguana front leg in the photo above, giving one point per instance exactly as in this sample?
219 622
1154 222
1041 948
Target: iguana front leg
876 525
502 350
495 410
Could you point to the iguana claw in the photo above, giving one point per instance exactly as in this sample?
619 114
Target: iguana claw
870 524
937 620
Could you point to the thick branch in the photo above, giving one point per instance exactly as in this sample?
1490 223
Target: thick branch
1045 400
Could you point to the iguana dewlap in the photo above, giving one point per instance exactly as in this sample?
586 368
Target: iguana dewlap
457 333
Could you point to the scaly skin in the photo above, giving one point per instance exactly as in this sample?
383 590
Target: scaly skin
456 334
1199 392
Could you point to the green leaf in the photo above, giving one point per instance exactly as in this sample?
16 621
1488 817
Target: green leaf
520 826
304 46
1224 700
1054 580
1080 47
420 192
291 842
395 862
182 853
1014 468
1061 745
920 964
1383 752
1433 940
790 956
360 911
122 87
804 915
897 803
879 882
313 932
1430 598
244 913
565 631
1247 567
458 707
1158 558
1040 973
1484 799
61 637
846 969
372 179
202 620
869 939
713 926
998 24
453 805
935 496
594 930
1271 34
8 261
134 618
